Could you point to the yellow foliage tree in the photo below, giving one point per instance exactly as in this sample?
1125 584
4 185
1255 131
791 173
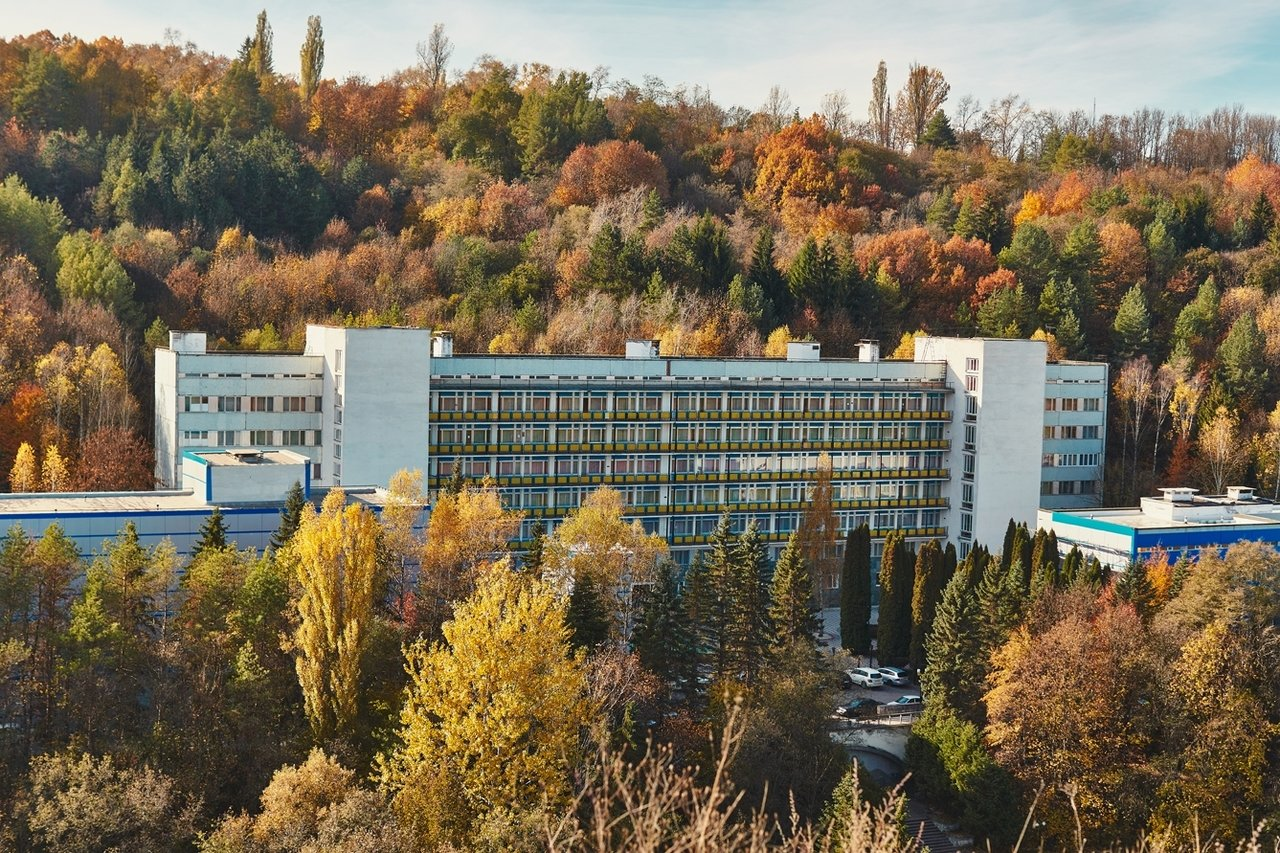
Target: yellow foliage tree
595 541
1033 207
491 726
22 476
776 344
465 529
53 471
335 554
906 348
399 519
1055 350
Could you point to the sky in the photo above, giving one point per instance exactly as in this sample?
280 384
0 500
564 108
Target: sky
1178 55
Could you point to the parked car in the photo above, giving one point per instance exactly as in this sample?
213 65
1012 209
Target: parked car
895 676
909 703
865 676
859 708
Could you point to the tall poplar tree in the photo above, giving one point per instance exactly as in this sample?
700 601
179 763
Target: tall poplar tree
929 583
312 57
855 592
336 560
893 635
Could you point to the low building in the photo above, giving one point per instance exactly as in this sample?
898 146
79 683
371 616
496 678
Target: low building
248 486
1181 522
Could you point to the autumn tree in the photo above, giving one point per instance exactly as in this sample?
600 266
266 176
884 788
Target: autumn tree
490 729
879 110
922 95
114 459
23 476
335 555
818 531
1219 448
618 555
401 522
1068 710
54 476
464 531
593 173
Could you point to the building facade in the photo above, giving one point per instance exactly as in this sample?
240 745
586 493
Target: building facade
949 445
1178 523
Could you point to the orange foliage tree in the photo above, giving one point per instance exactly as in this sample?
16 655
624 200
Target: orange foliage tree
799 161
593 173
934 277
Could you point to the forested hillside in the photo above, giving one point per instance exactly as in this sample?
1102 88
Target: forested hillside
530 209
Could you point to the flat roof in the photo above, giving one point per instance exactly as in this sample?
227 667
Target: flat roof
1135 519
140 503
247 456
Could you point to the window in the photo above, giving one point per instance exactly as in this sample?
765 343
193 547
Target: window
971 365
337 362
966 525
970 407
1088 487
970 436
315 470
1051 404
966 495
228 404
1070 404
971 383
1047 460
968 463
1089 432
1048 432
1046 487
227 438
196 404
1091 404
1068 432
260 438
262 404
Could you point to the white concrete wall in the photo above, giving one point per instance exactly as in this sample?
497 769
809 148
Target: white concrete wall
383 379
265 482
165 433
1009 394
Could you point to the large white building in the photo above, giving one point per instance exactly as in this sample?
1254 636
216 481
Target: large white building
949 445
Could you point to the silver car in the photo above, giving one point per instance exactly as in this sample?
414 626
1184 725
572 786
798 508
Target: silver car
895 676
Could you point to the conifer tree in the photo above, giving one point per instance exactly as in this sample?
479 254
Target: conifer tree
714 594
586 615
791 609
663 639
927 591
1132 325
290 516
1072 566
535 554
855 592
748 627
1134 586
1007 552
954 651
1000 602
893 634
764 273
213 534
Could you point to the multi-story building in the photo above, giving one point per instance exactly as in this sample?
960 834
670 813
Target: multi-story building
949 445
1075 431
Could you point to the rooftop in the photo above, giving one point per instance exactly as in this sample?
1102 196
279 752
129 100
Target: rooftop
124 503
1180 507
242 456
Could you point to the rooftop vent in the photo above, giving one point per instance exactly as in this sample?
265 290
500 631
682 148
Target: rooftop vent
1240 493
804 351
442 345
1179 494
642 349
246 454
868 350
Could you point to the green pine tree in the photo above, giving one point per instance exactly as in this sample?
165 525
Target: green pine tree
1132 325
954 651
791 610
290 516
535 554
213 534
663 637
748 627
586 617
